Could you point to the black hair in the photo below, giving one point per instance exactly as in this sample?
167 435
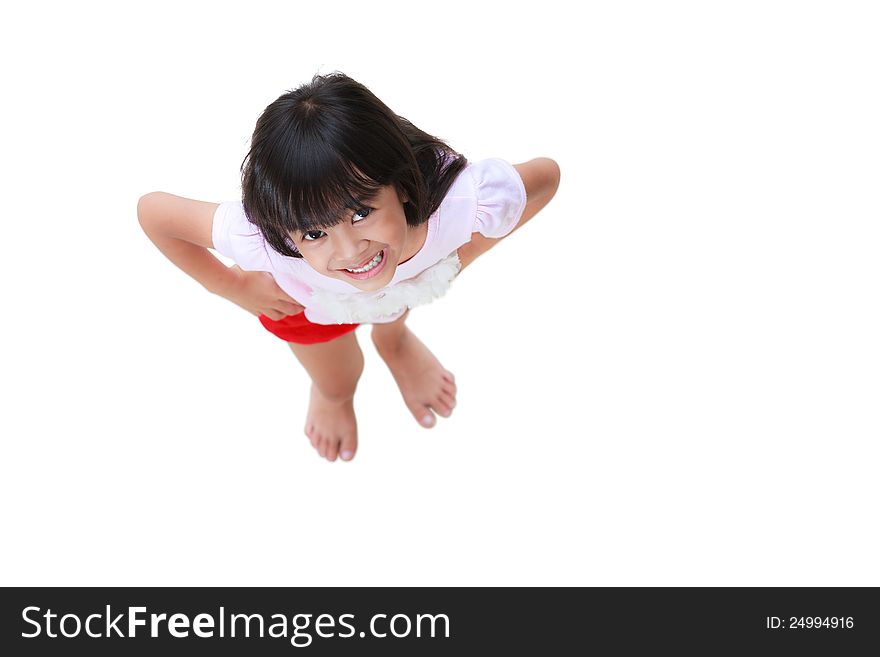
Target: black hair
331 144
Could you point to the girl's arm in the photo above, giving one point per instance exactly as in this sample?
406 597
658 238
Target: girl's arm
181 229
540 177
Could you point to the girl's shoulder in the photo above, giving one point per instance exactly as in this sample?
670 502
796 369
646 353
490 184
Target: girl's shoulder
495 197
235 237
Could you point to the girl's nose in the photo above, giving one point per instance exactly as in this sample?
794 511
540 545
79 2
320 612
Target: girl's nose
348 247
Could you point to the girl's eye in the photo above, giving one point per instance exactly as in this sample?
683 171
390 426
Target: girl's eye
312 235
361 214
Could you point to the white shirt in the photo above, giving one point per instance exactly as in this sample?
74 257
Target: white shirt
488 197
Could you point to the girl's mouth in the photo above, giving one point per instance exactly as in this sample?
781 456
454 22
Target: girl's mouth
370 269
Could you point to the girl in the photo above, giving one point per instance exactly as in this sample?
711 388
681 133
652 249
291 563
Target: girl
349 215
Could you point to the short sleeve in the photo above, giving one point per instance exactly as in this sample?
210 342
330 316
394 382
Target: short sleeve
237 238
501 197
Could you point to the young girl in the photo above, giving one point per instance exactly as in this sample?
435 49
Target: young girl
349 215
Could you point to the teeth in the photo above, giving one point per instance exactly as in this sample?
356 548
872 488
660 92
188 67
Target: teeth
367 267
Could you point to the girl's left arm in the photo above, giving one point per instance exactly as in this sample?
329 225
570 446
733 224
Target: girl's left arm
541 180
540 177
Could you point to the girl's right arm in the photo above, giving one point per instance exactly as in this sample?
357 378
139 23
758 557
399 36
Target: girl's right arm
181 229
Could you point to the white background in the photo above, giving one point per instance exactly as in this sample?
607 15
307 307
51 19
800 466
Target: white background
669 377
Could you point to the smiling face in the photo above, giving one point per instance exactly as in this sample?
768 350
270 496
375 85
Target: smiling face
367 246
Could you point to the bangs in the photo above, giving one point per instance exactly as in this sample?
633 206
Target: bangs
295 182
318 191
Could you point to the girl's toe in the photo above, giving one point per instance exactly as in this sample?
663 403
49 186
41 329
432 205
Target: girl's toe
442 409
448 401
332 450
348 448
423 415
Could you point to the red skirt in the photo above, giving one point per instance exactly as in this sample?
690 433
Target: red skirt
298 329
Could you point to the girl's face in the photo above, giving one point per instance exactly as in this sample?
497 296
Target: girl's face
365 249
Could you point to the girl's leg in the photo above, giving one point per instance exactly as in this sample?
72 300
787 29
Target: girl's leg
335 368
425 385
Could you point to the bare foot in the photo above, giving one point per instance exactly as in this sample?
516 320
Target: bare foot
426 387
331 426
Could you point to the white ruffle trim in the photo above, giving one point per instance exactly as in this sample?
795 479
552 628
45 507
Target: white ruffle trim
369 307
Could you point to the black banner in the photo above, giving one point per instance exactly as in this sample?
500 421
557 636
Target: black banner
406 621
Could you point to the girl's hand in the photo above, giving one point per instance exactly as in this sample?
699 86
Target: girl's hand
259 294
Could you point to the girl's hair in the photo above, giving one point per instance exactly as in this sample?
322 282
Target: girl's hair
328 146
